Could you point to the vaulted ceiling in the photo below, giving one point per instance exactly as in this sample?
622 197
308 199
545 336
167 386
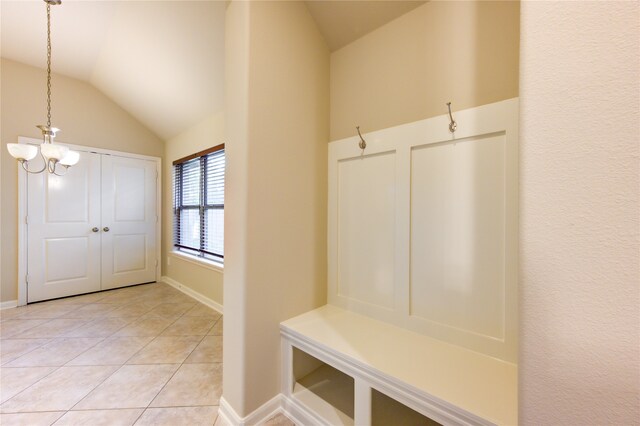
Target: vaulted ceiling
344 21
162 61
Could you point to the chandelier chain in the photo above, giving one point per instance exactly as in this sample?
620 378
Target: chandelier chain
48 65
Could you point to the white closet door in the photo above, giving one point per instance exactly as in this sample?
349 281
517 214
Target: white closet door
129 217
63 250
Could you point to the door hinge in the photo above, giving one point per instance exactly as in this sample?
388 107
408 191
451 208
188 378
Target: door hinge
26 279
26 220
156 263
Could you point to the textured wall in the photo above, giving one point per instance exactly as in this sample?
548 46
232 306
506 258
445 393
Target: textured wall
465 52
277 122
580 344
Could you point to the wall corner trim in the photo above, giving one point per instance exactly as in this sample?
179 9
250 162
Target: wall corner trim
259 416
279 404
194 294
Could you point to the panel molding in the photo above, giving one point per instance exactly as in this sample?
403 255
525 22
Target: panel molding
484 122
373 185
477 189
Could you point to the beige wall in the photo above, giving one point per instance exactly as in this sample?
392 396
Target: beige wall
85 116
206 134
459 51
277 132
579 293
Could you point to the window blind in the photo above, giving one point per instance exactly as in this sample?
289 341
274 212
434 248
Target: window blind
199 203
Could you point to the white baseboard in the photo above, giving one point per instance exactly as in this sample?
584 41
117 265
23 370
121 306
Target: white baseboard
266 411
297 412
8 304
194 294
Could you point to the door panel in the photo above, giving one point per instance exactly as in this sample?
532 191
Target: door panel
129 212
57 253
63 251
129 254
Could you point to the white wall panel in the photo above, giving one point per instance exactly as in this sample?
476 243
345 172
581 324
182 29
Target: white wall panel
366 221
458 235
423 227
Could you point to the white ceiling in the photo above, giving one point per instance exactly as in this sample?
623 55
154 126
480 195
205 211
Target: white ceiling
344 21
163 61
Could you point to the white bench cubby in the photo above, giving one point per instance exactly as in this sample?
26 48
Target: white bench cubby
335 362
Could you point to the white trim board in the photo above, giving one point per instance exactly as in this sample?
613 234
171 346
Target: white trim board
444 208
9 304
193 294
260 415
449 384
22 209
279 404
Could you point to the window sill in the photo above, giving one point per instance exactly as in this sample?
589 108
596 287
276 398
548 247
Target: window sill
205 263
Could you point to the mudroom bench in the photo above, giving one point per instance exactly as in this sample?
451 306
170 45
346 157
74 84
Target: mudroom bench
343 368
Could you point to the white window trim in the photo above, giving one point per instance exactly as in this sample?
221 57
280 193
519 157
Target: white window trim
205 263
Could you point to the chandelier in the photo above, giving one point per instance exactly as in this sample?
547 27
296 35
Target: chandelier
52 154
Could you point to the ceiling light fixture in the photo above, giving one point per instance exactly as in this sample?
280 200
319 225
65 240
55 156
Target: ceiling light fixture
52 154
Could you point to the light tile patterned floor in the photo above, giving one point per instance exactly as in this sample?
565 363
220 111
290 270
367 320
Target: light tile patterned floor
144 355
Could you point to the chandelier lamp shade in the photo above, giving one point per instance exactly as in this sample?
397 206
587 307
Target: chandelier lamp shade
53 154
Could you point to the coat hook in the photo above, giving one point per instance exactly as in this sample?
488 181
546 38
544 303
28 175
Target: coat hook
362 144
453 125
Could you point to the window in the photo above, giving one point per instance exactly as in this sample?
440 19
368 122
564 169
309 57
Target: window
199 204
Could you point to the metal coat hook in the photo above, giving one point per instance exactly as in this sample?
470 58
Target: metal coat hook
362 144
453 125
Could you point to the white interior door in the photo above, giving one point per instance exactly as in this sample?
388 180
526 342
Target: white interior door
63 249
129 218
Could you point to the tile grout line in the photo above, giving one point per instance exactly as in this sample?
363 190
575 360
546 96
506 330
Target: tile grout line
103 339
179 366
177 369
117 369
128 359
47 375
21 355
56 367
43 377
23 390
118 366
22 331
52 371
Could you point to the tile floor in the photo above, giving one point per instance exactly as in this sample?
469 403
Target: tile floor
144 355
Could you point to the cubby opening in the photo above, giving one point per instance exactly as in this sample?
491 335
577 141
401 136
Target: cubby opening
387 411
323 389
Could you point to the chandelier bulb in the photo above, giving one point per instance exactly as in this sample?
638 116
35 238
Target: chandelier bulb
51 153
